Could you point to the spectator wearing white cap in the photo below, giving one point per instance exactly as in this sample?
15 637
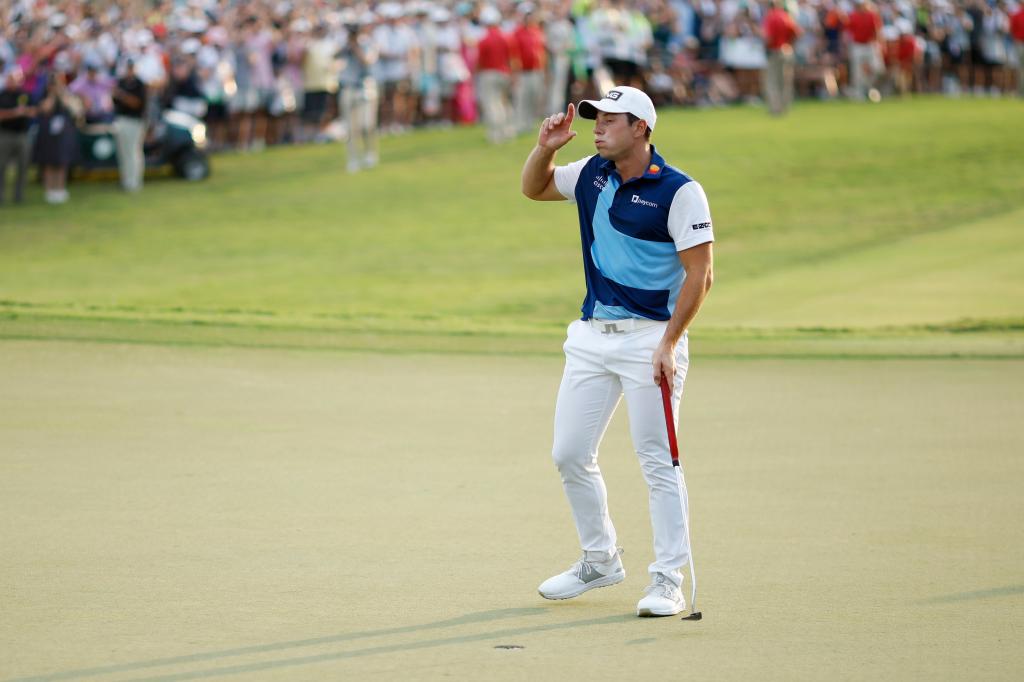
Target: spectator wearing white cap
496 64
451 65
531 46
396 45
255 77
865 28
470 31
780 33
905 58
427 71
319 80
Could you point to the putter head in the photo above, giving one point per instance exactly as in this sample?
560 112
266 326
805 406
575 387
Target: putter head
696 615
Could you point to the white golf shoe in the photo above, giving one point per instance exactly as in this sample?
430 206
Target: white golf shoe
594 569
663 598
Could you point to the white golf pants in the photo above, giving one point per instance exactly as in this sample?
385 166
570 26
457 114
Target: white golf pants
599 369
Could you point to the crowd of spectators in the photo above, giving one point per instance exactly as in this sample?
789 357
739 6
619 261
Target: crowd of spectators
261 72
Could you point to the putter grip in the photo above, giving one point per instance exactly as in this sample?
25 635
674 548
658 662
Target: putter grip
670 427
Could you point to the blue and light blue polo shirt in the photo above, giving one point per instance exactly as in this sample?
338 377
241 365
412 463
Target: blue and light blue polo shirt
631 234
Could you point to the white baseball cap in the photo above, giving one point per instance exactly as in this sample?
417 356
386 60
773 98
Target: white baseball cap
390 10
490 16
621 99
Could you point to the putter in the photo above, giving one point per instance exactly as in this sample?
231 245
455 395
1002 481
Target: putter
666 401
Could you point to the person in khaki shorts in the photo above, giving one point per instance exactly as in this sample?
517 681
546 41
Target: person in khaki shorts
130 128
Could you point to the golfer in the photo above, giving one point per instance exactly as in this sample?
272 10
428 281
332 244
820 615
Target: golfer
647 235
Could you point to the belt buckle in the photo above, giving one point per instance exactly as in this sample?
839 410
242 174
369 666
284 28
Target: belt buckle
611 328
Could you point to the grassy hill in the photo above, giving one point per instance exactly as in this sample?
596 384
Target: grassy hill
842 229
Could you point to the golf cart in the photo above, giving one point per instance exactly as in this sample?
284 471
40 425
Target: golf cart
178 140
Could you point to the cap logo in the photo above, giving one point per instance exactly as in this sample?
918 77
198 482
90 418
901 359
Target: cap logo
614 94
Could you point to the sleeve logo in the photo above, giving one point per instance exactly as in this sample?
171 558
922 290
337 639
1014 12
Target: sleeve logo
701 226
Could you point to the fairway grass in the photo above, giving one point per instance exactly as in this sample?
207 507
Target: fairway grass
842 230
175 513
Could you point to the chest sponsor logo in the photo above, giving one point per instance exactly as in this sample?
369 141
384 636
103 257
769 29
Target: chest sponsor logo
600 181
643 202
701 226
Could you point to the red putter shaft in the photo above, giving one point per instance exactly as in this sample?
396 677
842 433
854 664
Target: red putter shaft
666 401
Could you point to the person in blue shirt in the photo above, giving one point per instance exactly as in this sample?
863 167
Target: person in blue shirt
646 234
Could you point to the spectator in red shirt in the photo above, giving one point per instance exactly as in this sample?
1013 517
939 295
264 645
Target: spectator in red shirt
780 31
497 62
531 46
901 54
864 27
908 56
1017 31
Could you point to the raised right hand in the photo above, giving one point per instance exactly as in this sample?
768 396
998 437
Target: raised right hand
555 131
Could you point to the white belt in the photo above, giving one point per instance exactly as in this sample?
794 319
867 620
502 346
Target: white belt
630 324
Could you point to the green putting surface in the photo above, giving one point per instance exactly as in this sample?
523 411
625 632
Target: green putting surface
221 513
204 475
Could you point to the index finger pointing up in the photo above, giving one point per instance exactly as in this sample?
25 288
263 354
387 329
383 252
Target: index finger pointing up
570 114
